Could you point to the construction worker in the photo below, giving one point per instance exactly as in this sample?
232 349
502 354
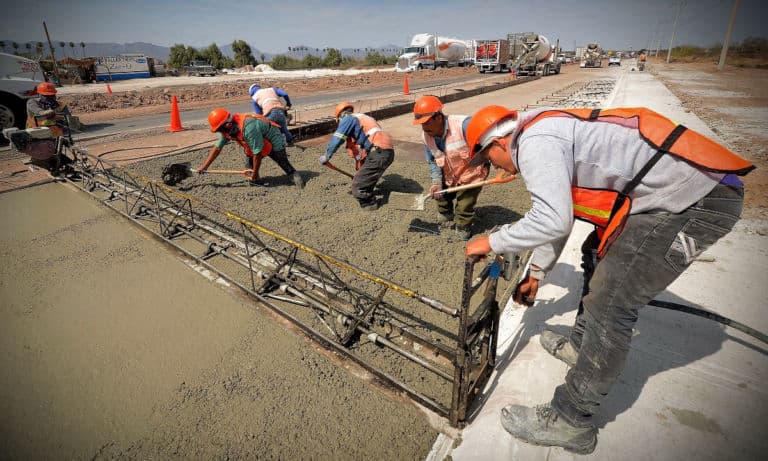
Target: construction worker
447 154
258 137
659 194
46 110
267 102
368 144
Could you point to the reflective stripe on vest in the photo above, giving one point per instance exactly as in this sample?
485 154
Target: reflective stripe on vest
378 138
455 159
240 120
608 210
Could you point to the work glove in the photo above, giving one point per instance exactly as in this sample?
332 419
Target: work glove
323 159
479 246
433 189
525 292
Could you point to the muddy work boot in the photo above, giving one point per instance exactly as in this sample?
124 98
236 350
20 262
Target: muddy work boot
445 221
463 232
297 180
559 347
542 425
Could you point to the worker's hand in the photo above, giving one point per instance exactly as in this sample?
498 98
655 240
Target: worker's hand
433 189
525 293
479 246
323 159
48 113
288 107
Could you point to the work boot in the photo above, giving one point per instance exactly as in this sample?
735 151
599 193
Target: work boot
463 232
559 347
445 221
297 180
369 206
542 425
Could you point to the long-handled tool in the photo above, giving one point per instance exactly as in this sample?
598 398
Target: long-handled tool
177 172
417 202
333 167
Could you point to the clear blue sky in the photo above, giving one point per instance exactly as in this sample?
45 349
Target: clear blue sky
273 26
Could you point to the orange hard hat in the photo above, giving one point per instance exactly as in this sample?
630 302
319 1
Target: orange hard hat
46 88
425 108
218 117
486 125
341 107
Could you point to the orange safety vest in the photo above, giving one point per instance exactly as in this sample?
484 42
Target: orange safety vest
240 120
455 160
608 210
375 134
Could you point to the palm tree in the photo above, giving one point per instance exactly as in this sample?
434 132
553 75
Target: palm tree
63 49
39 49
28 46
15 47
82 45
72 47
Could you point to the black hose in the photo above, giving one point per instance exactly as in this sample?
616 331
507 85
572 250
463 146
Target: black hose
711 316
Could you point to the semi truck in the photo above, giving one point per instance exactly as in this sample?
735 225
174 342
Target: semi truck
532 54
492 55
591 56
19 78
428 51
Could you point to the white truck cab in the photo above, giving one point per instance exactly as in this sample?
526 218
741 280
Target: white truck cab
18 78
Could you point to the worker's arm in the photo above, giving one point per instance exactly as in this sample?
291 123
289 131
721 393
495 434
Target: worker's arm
346 127
435 172
285 96
215 151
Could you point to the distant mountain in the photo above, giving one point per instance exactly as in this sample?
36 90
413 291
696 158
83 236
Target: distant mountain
162 52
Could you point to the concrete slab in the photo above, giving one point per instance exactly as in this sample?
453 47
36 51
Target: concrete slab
691 388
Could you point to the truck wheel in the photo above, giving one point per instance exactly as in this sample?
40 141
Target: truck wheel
12 114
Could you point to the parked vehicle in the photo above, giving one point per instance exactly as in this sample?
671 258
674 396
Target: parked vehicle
614 61
532 54
492 55
200 69
428 51
18 78
122 67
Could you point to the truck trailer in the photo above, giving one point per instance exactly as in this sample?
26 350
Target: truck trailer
492 55
122 67
428 51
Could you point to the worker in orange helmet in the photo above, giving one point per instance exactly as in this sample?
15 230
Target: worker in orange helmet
447 154
657 193
259 138
368 144
46 110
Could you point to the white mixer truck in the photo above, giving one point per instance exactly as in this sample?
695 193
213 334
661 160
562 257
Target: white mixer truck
428 51
591 56
533 54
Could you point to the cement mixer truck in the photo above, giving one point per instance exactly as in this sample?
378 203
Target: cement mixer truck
591 56
532 54
428 51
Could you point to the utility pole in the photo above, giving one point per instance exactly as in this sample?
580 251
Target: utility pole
53 57
727 42
674 25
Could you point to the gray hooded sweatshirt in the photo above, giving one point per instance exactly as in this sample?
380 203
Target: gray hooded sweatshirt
557 153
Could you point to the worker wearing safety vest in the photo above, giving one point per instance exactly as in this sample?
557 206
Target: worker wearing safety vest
257 136
46 110
658 194
447 154
267 102
368 144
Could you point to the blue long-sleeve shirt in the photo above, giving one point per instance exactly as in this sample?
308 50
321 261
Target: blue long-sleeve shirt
349 126
281 93
435 172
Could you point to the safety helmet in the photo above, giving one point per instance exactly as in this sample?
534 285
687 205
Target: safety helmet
487 124
253 89
218 117
341 107
46 88
425 108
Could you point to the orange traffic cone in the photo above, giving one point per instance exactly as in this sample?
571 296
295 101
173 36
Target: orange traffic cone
175 117
406 90
109 89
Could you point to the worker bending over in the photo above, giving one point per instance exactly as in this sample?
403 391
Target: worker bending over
267 102
658 194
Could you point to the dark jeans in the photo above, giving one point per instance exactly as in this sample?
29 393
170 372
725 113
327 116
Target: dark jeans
651 252
278 116
464 212
280 157
376 162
